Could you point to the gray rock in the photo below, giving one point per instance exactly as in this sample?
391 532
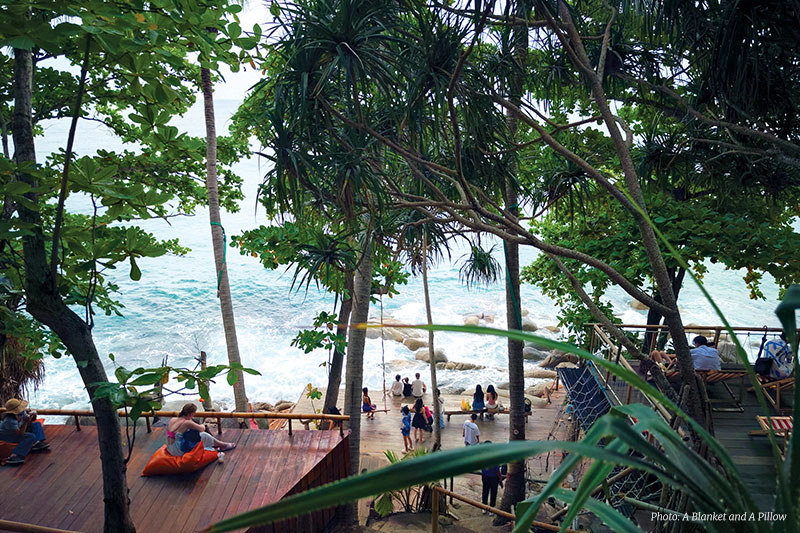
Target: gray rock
528 325
415 344
532 354
423 355
537 372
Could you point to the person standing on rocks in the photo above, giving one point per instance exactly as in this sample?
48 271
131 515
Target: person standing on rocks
418 387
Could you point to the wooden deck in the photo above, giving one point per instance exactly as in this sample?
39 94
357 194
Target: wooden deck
751 454
62 488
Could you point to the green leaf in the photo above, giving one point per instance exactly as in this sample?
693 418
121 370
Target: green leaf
232 378
136 274
275 9
786 312
147 379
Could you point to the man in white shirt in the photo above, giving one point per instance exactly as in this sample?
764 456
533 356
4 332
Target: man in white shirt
704 356
397 386
418 388
471 433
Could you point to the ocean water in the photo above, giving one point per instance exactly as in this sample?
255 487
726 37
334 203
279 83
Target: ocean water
173 310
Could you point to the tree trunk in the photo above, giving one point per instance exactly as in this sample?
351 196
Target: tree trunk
335 373
45 304
218 239
437 411
362 285
514 490
654 317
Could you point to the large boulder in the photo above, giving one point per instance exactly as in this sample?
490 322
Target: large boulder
538 345
415 344
553 329
692 332
566 364
398 365
540 390
536 402
639 306
557 356
532 354
423 355
727 352
458 365
524 311
538 372
528 325
472 320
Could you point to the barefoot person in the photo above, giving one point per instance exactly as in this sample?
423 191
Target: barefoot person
366 404
419 421
183 434
19 426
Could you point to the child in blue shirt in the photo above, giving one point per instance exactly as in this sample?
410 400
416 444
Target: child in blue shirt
405 429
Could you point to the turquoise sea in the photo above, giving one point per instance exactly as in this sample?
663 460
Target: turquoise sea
173 311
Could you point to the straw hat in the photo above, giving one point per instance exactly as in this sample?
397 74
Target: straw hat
15 406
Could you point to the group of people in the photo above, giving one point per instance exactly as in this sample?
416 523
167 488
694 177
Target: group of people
405 389
418 418
776 353
486 400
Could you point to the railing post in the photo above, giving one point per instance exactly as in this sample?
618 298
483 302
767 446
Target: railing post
147 422
219 426
290 426
717 333
77 423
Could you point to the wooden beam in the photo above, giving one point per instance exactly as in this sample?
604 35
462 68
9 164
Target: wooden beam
200 414
8 525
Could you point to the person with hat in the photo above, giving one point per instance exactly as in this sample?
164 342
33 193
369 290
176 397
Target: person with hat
19 426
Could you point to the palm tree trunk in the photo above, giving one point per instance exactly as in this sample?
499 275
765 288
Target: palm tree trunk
362 285
45 304
335 374
218 239
437 411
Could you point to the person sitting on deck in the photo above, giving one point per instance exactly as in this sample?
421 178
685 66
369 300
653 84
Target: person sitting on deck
477 400
407 389
491 402
663 358
183 434
19 426
418 387
397 386
704 356
781 354
366 404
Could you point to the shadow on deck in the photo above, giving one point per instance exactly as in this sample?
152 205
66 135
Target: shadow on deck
62 488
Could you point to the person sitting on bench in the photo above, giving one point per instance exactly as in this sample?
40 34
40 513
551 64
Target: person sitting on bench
19 426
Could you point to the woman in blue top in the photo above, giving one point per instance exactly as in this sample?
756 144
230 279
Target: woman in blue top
477 400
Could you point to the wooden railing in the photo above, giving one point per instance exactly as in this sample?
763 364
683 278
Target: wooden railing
217 415
499 512
8 525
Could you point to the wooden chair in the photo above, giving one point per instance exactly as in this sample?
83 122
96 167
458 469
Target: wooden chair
722 377
782 426
776 386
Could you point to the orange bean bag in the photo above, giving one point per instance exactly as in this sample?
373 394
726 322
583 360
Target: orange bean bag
162 462
7 448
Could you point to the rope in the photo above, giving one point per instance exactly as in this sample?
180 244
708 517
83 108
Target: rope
511 289
224 255
383 354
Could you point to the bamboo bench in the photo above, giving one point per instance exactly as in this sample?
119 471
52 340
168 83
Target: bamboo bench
448 414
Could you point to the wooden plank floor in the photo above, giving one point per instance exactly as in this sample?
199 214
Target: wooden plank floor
62 488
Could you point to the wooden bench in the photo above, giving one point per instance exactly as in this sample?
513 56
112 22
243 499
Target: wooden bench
448 414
